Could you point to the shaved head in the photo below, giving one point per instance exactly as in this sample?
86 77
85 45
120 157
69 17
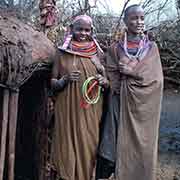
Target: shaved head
134 19
131 9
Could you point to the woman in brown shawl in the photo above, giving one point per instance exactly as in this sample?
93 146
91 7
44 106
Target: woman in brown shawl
76 132
129 139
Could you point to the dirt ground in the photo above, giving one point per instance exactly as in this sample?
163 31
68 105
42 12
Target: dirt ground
169 166
169 140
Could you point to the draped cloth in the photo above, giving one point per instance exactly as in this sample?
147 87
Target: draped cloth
135 143
48 13
76 131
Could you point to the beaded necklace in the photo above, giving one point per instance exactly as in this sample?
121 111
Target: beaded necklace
139 51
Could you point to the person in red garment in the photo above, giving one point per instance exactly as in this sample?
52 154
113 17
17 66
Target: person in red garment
129 142
76 132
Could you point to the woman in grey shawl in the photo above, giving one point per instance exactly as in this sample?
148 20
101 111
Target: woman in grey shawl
129 138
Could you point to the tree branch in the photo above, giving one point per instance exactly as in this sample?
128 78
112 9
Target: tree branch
120 18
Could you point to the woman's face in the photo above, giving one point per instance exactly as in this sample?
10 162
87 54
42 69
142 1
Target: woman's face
134 20
81 31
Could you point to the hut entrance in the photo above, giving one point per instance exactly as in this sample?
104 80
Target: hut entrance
31 139
31 151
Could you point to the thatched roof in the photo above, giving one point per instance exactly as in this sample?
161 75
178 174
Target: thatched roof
22 49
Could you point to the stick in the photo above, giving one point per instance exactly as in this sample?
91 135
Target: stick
119 20
13 109
4 131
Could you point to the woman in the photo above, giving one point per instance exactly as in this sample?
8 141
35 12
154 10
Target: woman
76 133
129 139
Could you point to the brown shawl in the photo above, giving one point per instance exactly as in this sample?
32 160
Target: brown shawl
76 132
140 105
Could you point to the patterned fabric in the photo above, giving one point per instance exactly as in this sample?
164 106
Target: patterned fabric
84 17
67 41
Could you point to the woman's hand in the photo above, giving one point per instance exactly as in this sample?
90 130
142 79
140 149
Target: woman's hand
73 76
103 81
59 84
125 69
128 70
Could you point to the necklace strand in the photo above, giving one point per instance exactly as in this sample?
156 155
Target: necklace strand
140 48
